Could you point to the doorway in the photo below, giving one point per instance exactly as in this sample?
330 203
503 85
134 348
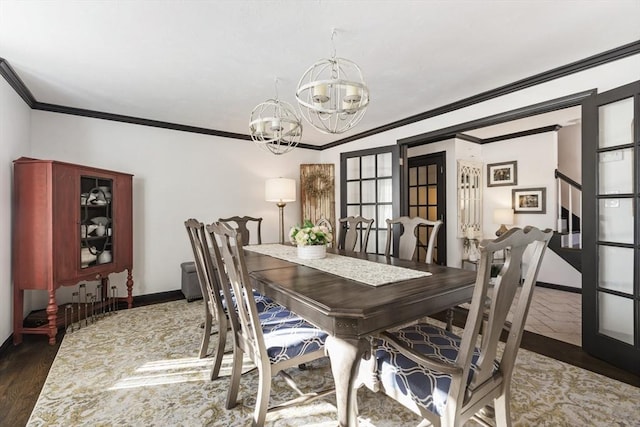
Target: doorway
426 187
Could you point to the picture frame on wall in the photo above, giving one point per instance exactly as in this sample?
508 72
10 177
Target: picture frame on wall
500 174
529 200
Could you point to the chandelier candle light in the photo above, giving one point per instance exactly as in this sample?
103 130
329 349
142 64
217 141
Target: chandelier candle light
332 94
281 191
275 126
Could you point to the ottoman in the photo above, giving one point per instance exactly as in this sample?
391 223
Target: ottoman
190 283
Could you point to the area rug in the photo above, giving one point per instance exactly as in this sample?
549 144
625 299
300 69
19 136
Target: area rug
139 367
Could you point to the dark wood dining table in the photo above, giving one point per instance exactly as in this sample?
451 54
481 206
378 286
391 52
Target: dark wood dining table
351 311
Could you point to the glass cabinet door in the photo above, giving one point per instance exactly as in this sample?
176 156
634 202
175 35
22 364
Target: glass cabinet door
96 221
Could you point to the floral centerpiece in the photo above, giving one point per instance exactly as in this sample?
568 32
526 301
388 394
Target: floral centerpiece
311 240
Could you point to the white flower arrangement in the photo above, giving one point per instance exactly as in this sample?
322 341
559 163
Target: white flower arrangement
310 234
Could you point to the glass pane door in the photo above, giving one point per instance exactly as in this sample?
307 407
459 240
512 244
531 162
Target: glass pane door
611 303
369 188
427 200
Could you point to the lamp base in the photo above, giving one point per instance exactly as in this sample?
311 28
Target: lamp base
281 206
503 229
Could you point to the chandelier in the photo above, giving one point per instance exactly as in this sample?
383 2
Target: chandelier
275 126
332 94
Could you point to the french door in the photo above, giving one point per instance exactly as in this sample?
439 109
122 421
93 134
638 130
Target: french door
369 185
427 199
611 250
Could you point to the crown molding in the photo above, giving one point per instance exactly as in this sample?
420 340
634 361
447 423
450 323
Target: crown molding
574 67
16 83
599 59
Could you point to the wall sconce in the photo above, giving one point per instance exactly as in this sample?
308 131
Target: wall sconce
503 216
280 191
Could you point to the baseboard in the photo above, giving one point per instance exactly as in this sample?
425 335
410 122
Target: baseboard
560 287
157 298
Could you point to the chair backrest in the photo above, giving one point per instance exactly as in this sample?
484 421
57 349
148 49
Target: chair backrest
325 222
207 277
407 248
241 224
488 313
350 232
232 273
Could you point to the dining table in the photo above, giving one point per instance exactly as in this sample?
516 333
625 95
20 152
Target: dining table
352 296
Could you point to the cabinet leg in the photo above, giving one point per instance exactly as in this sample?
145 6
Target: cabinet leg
52 315
129 288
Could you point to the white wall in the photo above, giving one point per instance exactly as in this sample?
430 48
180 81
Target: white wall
570 163
570 151
14 143
178 175
537 157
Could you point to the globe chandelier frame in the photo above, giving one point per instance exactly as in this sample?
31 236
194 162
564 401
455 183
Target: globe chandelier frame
332 94
275 126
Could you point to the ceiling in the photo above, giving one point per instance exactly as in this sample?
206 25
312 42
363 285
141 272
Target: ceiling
209 63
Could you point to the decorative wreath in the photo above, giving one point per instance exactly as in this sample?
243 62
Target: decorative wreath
318 184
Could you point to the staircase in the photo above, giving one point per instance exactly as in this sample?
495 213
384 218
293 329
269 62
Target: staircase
567 240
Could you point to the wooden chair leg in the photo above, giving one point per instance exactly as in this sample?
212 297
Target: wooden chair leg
204 346
234 383
219 353
502 410
262 400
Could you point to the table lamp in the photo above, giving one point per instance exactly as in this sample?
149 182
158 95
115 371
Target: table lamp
502 216
281 191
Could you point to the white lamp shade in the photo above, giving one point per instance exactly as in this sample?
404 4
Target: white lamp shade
280 190
503 216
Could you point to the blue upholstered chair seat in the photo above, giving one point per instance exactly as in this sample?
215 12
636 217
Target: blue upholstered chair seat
402 376
286 335
262 302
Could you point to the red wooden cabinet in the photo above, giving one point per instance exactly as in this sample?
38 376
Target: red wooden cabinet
70 223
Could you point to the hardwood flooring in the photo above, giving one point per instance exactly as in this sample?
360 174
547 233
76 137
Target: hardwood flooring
24 368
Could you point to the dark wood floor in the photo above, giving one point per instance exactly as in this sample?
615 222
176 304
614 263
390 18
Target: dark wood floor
24 368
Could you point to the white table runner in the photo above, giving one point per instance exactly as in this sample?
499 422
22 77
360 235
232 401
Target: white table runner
360 270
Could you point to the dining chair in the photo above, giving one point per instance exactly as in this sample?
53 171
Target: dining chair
242 225
211 293
324 221
407 248
351 228
275 339
448 378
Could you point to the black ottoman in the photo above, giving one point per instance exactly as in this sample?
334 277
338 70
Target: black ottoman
190 283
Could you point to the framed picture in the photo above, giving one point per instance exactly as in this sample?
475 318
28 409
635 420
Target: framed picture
530 200
505 173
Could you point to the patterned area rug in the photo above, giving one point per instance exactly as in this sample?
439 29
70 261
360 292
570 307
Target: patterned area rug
139 367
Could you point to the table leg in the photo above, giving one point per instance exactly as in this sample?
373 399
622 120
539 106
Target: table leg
345 355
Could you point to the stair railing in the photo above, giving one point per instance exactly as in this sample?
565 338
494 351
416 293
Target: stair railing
572 186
